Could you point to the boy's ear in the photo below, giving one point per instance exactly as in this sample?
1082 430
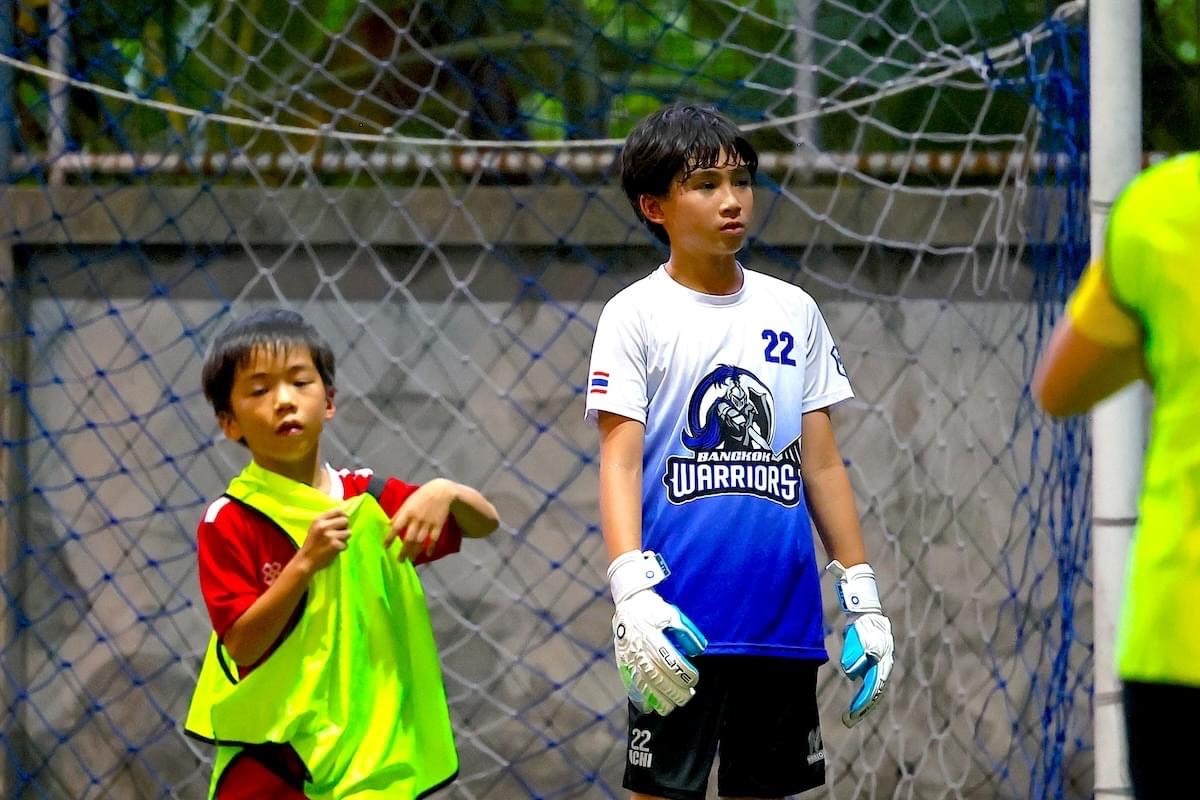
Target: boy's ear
330 408
651 207
229 426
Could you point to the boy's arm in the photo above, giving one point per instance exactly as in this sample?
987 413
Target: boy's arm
1096 349
828 492
621 444
253 634
868 650
422 518
475 516
1076 372
653 640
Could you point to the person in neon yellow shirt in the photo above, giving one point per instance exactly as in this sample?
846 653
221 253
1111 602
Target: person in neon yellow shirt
321 678
1136 314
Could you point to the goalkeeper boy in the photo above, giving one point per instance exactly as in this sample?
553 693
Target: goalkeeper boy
321 678
1134 315
707 383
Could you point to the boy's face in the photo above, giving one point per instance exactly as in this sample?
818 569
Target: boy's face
709 212
279 405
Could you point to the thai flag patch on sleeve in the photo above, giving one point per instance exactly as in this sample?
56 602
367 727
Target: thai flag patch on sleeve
599 383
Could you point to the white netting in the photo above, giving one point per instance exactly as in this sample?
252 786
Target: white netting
432 185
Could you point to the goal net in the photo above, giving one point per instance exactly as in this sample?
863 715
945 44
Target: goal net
433 186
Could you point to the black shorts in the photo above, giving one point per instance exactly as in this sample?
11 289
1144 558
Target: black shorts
760 713
1155 715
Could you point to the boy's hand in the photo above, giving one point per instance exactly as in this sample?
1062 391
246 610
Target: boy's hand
868 649
653 639
421 519
328 535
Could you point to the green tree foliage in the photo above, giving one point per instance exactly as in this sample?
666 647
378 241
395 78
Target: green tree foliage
1171 76
1179 28
864 45
515 69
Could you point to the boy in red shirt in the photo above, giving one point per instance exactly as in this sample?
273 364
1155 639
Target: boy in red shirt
269 378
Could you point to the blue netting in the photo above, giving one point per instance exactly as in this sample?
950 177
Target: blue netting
461 301
1053 505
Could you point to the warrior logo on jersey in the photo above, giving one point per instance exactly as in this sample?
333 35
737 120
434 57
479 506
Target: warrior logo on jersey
730 426
837 359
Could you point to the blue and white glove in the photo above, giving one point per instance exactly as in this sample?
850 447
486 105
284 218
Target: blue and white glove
868 647
652 638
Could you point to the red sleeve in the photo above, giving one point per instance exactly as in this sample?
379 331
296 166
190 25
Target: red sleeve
395 492
228 573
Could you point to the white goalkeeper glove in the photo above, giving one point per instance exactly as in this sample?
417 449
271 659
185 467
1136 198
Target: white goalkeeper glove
652 638
868 647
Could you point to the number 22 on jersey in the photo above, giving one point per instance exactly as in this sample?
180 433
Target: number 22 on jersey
779 347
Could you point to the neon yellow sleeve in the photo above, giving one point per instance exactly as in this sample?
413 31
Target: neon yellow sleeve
1094 313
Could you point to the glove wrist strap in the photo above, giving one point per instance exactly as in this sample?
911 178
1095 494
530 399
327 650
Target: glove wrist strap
856 588
631 572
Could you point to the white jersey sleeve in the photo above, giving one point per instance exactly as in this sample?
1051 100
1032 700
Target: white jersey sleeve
617 374
825 378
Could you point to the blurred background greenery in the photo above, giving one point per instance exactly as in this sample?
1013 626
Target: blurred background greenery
500 69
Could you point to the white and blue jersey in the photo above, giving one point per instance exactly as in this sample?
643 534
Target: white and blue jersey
720 383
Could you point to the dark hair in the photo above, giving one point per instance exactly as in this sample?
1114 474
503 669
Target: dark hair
273 328
678 138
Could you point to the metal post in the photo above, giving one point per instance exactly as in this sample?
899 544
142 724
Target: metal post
12 359
804 82
12 568
1118 427
58 59
806 133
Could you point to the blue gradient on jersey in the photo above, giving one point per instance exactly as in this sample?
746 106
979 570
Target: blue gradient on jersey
743 566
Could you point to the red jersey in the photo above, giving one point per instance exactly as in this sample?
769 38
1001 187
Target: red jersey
241 552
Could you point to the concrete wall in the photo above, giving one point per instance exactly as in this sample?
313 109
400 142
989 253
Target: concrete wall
468 360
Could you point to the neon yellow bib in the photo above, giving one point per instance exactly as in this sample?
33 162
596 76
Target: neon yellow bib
1153 256
356 687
